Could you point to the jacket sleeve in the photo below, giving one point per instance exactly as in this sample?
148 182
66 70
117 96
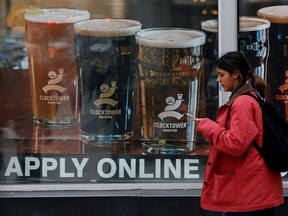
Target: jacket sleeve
237 137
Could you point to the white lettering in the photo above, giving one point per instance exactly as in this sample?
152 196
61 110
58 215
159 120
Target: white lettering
105 112
188 167
106 167
80 166
13 167
54 98
123 166
157 168
110 173
170 125
48 164
31 163
168 166
63 173
142 173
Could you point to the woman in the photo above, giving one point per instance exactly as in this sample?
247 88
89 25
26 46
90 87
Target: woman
237 181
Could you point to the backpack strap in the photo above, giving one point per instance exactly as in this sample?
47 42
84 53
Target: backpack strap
257 147
260 101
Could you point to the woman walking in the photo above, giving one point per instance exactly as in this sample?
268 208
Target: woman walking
237 181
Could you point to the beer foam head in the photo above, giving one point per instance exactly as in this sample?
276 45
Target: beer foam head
247 24
276 14
210 25
253 24
58 16
170 37
107 27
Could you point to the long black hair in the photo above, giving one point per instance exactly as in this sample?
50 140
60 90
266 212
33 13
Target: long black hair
235 61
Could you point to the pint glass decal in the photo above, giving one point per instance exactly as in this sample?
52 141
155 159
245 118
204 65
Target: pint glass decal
49 39
169 88
105 52
254 43
277 77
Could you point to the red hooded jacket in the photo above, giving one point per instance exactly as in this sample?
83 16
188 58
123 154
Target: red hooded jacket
236 177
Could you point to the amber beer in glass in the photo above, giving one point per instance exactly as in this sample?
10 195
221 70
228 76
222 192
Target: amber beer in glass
170 66
277 77
105 50
49 39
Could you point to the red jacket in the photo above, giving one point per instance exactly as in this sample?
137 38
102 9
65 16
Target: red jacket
236 177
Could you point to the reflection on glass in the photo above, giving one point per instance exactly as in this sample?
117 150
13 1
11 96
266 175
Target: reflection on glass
210 102
55 141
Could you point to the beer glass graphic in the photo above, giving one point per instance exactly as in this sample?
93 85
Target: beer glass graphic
170 66
277 76
49 39
253 40
105 50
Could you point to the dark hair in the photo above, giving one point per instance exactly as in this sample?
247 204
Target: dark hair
235 61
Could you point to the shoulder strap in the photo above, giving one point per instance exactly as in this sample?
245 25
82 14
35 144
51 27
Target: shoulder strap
257 147
259 100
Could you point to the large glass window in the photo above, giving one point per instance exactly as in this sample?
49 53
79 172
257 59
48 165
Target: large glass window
83 103
135 129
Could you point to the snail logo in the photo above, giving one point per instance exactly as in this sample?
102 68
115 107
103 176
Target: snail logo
108 91
54 80
284 87
171 107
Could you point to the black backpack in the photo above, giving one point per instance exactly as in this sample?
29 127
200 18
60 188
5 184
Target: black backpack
275 136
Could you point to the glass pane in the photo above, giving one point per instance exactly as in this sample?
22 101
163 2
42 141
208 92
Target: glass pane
93 104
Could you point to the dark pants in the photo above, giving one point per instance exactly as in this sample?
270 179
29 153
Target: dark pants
264 212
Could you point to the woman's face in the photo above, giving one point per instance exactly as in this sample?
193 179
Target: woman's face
228 81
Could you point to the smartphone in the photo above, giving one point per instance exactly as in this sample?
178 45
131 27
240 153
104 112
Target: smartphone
188 114
193 118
